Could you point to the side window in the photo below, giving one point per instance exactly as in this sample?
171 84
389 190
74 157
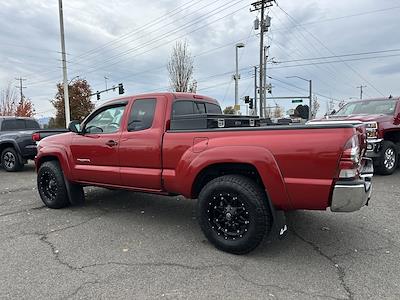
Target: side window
31 124
106 121
199 108
182 108
8 125
14 124
142 114
213 109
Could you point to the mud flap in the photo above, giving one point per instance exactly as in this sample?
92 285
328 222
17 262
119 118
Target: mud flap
76 195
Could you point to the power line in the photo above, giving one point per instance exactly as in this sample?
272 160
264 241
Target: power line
341 55
168 15
330 51
336 61
160 38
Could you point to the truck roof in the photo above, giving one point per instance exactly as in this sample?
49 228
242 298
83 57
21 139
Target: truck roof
376 99
176 95
16 118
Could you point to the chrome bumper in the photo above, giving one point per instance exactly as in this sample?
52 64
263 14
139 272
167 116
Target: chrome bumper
351 195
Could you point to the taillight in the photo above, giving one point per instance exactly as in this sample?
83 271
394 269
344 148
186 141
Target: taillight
351 157
36 137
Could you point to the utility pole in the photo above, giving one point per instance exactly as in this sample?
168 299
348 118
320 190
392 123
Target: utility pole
361 90
237 76
255 91
261 5
20 87
64 65
310 103
265 79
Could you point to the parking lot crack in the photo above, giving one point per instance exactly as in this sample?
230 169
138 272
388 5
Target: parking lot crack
285 289
79 288
340 271
156 264
22 211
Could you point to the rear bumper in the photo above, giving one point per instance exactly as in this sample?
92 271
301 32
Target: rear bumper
351 195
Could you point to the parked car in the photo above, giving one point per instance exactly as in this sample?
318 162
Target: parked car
382 119
243 177
17 145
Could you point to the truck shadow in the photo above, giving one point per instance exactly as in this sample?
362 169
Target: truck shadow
325 233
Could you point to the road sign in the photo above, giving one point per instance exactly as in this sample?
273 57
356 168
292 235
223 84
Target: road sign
297 101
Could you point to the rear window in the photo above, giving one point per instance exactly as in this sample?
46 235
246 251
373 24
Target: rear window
213 109
14 124
182 108
31 124
187 107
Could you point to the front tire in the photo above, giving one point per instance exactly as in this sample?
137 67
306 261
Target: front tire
51 185
10 160
233 213
387 162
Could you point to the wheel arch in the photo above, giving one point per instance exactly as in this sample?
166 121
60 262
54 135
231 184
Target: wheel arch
53 154
255 162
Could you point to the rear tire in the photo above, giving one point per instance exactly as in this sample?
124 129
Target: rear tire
387 162
10 160
233 213
51 185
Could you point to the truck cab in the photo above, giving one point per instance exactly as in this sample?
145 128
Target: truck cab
381 117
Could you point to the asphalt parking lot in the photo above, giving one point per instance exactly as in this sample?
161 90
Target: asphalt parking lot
137 246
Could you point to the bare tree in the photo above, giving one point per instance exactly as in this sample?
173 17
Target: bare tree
180 67
315 107
8 100
278 112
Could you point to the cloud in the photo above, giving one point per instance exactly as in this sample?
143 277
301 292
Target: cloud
130 42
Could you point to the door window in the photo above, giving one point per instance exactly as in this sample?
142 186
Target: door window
106 120
142 114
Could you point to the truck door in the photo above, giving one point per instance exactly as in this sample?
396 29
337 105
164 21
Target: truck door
95 151
141 142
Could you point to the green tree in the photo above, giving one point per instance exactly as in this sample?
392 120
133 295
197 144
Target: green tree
79 102
229 110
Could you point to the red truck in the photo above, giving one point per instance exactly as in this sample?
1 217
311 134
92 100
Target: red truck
243 178
381 117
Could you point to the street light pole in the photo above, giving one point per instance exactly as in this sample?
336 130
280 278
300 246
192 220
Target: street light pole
237 76
64 64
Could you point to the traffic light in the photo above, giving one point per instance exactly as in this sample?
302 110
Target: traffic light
251 103
121 89
98 95
246 99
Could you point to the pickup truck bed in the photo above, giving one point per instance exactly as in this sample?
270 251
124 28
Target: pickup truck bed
242 177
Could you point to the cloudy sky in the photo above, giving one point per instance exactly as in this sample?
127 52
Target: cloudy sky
338 44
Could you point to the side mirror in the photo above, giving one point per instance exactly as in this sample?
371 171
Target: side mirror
74 126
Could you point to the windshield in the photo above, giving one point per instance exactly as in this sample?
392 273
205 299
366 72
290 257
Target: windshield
386 107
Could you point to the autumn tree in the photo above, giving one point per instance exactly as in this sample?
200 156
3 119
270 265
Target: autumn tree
8 100
25 108
229 110
79 102
180 68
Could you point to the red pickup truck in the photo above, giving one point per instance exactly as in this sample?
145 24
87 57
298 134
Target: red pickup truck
243 178
381 117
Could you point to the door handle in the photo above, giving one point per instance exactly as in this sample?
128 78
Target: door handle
111 143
